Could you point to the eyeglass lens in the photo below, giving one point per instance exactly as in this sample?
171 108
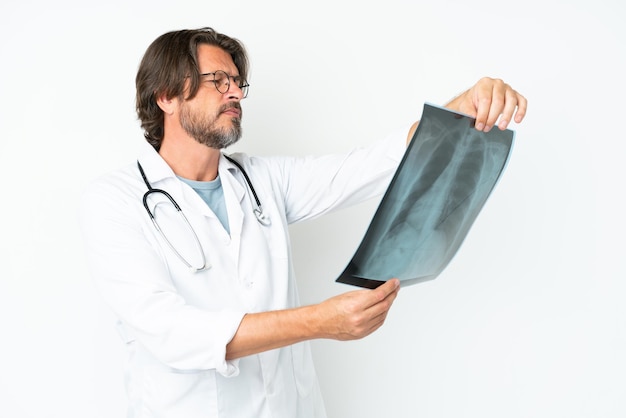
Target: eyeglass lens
222 82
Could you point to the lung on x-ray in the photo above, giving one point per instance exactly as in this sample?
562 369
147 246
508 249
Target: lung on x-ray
444 179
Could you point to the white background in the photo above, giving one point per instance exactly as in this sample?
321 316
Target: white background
528 320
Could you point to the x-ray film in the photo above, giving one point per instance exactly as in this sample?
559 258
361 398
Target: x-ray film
444 179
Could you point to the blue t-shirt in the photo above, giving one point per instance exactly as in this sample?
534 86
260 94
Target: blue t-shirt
213 194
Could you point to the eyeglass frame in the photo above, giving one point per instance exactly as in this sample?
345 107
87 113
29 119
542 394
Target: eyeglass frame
243 84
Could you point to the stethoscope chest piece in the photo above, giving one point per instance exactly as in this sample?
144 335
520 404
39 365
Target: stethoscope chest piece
258 211
261 217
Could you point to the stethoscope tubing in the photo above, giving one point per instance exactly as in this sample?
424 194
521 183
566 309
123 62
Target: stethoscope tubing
258 213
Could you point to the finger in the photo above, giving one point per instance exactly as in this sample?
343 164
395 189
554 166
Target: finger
383 305
483 94
375 296
498 100
367 298
388 288
510 105
378 318
522 105
376 323
514 101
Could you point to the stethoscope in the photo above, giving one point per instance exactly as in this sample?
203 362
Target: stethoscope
258 213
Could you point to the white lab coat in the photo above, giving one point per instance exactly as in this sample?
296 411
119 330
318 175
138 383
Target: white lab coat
175 323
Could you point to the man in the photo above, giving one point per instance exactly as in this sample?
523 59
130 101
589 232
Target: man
190 248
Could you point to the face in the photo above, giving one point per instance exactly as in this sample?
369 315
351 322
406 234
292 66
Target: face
213 118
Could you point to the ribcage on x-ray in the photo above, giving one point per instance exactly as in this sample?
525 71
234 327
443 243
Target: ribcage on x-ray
429 208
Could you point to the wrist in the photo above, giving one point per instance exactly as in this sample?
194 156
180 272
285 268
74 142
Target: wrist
312 323
455 103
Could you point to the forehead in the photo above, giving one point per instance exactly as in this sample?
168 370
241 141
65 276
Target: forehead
213 58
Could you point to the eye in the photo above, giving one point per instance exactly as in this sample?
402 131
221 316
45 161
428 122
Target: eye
220 78
239 81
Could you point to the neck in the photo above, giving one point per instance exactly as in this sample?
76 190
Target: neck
190 159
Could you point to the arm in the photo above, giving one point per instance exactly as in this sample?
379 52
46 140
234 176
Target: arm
349 316
133 281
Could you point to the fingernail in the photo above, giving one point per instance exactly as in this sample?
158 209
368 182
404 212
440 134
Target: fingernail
487 129
480 126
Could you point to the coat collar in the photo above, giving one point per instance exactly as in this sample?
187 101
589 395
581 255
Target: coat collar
158 171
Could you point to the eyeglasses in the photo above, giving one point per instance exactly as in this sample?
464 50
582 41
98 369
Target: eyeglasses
221 80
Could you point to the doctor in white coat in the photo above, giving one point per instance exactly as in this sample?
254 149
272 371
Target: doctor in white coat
190 247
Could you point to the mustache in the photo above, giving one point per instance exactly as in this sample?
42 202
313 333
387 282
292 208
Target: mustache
231 105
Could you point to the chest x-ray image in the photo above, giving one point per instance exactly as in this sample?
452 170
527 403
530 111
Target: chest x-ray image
444 179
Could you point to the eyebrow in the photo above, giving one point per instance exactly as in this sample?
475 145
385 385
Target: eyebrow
227 73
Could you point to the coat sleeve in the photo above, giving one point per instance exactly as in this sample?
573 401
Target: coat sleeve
313 186
135 283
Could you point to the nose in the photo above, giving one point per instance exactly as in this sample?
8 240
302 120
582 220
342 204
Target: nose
234 84
234 91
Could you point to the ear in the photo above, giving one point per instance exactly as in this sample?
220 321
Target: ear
166 104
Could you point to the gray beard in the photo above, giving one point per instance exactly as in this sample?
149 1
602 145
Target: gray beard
205 132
